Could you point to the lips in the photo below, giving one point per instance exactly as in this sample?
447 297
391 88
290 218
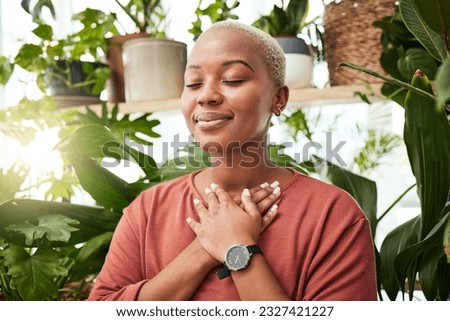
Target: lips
212 120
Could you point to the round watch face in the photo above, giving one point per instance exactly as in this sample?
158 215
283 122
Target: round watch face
237 257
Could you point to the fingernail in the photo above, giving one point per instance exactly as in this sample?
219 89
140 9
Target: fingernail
274 184
207 190
274 208
276 191
264 185
197 201
189 220
246 192
213 185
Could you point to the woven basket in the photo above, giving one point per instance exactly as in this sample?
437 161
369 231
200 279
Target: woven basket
350 37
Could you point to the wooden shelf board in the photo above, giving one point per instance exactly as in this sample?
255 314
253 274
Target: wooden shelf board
298 98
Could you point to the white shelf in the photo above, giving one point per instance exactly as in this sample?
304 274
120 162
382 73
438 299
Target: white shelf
298 98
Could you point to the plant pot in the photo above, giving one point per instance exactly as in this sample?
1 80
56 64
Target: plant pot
115 85
65 79
153 69
349 36
299 62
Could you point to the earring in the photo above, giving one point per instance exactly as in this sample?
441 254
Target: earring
278 112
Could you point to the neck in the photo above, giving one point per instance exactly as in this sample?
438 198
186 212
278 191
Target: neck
237 169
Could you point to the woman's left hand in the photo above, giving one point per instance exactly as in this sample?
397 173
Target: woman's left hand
224 223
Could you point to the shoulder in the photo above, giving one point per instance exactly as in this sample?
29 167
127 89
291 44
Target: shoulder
322 197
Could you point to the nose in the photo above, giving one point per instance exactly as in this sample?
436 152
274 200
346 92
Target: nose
209 95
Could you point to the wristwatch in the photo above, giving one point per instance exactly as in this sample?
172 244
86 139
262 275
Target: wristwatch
237 258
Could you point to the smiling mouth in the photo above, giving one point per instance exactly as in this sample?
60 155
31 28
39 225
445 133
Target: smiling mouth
212 120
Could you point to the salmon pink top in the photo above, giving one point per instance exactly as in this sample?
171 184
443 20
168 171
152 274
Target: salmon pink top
319 247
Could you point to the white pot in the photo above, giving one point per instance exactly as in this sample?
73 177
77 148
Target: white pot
153 69
299 62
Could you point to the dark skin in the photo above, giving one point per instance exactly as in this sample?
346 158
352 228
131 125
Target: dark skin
227 100
227 103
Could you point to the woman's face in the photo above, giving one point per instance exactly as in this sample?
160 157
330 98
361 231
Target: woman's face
228 96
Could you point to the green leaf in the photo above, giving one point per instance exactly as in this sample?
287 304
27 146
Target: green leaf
413 253
10 182
431 40
30 58
435 14
6 70
396 241
297 11
91 256
443 82
61 187
54 227
33 275
363 190
93 220
44 32
427 139
414 59
106 188
391 80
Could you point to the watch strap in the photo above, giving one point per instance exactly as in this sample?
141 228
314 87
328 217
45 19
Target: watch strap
254 249
223 273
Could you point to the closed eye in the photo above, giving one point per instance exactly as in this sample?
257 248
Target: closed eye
194 85
233 82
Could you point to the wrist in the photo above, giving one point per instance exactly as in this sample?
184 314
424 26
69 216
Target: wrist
203 258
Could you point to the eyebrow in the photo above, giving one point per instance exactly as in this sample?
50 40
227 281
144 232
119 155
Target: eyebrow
226 64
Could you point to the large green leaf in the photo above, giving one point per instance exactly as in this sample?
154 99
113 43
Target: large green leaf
55 227
431 40
98 141
435 14
427 139
107 189
432 242
363 190
417 58
33 275
91 256
93 220
443 82
297 11
395 242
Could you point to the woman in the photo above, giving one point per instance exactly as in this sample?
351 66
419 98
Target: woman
206 236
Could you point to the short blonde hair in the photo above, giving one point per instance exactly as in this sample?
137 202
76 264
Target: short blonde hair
272 53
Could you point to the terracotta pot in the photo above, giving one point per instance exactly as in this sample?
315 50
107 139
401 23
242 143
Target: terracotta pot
115 86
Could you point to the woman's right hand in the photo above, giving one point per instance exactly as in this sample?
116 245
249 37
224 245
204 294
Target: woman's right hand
264 196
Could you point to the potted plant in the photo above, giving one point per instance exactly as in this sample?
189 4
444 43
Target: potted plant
145 58
402 55
418 250
69 69
216 11
285 24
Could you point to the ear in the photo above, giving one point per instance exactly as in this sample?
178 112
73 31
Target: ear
280 100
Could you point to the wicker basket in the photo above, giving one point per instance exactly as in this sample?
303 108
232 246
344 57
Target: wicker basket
350 37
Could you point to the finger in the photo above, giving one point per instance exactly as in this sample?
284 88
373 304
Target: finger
269 217
249 206
258 193
221 194
267 202
201 209
211 198
193 224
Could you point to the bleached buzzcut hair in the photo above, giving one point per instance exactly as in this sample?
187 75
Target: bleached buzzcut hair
271 51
